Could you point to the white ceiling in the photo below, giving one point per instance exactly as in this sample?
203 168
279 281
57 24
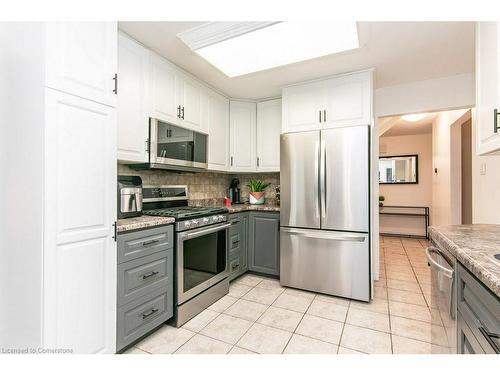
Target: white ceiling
401 52
403 127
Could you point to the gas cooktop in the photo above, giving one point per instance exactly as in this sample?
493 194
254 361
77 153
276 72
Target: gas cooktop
185 212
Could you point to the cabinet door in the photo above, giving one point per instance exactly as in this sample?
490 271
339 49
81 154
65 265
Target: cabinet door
162 91
132 120
81 59
347 100
242 117
189 98
487 86
264 243
218 139
301 106
80 209
268 135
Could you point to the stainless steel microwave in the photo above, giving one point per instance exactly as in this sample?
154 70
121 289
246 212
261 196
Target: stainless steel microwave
173 147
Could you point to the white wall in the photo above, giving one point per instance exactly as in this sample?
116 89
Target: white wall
409 194
438 94
485 187
446 158
21 185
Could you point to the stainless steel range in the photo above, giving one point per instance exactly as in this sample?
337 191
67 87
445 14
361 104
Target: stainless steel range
201 238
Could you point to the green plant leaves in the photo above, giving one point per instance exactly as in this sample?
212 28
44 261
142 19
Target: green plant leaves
257 186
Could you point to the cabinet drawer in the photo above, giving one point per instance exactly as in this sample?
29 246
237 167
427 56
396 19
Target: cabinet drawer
236 267
142 315
145 242
480 309
234 243
143 275
467 343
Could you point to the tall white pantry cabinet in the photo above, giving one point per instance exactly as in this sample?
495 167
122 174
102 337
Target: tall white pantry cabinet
58 252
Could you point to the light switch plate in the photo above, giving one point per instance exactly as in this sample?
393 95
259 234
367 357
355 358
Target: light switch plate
482 169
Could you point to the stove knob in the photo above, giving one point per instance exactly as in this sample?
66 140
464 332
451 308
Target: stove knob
221 217
205 220
187 223
215 219
195 222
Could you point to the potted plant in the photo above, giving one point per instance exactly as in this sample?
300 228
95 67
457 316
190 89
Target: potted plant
381 200
257 191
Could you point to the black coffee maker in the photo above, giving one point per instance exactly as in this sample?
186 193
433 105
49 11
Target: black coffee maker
234 191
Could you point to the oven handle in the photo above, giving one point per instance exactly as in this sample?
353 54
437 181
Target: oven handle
202 232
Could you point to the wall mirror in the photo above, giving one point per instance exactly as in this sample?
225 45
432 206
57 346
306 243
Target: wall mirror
398 169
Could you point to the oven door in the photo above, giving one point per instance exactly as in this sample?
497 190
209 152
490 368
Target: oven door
201 260
173 145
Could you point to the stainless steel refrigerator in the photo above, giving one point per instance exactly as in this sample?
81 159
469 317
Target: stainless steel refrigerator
325 211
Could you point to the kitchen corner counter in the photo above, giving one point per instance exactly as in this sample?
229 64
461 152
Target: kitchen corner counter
474 246
253 207
142 222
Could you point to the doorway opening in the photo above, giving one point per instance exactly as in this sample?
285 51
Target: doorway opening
425 171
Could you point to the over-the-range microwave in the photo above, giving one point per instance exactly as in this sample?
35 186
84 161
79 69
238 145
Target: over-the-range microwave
173 147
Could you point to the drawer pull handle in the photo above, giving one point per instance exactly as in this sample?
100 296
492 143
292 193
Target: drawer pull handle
238 241
148 314
148 275
235 221
489 336
147 243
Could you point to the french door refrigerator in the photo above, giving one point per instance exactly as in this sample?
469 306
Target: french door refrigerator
325 211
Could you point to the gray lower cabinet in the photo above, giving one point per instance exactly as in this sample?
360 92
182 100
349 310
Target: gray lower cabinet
238 244
264 242
145 282
478 315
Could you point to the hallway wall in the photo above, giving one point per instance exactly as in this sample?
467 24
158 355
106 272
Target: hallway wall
446 165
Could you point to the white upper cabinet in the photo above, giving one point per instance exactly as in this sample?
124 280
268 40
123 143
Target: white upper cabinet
174 96
162 91
189 99
81 59
217 110
133 124
487 86
301 107
242 119
345 100
268 135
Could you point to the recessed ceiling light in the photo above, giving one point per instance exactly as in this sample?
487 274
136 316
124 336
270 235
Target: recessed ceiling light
414 117
274 44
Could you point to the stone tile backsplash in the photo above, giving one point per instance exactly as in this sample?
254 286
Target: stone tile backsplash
204 187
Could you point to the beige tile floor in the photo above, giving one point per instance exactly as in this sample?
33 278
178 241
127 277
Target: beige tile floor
260 316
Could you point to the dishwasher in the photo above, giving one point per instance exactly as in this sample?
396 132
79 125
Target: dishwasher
443 300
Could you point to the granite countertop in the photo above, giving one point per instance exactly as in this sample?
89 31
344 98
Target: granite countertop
252 207
474 246
142 222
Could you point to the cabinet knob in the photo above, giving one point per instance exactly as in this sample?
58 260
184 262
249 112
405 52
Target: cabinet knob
320 116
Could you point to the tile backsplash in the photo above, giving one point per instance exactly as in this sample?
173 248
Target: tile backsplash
204 187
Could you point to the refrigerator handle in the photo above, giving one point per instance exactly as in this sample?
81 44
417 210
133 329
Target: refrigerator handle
324 235
316 177
322 178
